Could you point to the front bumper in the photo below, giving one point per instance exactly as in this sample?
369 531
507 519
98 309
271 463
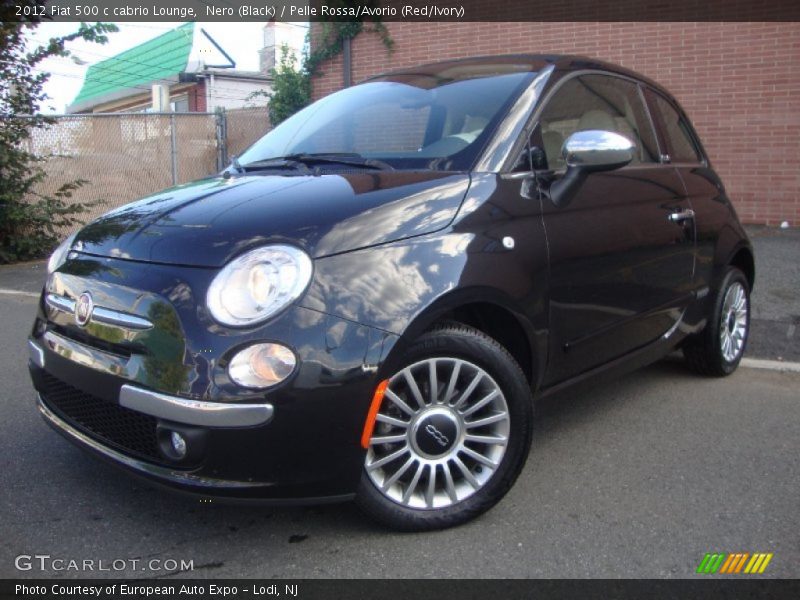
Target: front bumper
194 412
298 442
174 408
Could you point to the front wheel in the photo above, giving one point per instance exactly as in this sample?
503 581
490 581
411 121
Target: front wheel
719 348
451 433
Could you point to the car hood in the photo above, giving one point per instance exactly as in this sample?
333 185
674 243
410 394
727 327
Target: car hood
208 222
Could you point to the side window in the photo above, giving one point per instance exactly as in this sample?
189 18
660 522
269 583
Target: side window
597 102
681 146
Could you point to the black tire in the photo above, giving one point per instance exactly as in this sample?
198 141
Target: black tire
704 352
457 342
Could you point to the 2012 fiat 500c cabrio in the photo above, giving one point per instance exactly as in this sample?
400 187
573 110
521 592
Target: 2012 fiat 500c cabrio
367 302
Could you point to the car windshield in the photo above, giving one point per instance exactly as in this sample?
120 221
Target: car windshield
431 119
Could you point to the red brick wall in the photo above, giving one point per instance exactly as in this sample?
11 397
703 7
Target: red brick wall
197 97
739 83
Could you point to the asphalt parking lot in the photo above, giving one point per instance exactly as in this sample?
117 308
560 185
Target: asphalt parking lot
638 477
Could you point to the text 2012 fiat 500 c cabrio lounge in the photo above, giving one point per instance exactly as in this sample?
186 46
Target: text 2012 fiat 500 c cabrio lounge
368 302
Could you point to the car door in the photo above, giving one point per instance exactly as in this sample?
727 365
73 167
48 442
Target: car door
621 265
703 186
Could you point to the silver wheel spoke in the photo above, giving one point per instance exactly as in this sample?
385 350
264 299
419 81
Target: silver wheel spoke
399 473
478 457
391 421
413 485
433 383
486 439
399 403
480 403
470 388
451 386
412 385
449 485
387 459
387 439
486 420
466 473
431 489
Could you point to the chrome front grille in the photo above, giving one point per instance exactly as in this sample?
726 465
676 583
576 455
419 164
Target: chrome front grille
99 314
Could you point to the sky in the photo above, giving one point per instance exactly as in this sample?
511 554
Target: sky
241 41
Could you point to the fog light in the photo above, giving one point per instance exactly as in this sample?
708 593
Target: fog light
178 444
261 365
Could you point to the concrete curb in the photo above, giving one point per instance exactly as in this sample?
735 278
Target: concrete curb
770 365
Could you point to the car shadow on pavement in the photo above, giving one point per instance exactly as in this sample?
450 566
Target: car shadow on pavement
595 393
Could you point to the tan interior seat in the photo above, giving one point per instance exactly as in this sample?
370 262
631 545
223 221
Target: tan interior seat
553 142
472 128
596 119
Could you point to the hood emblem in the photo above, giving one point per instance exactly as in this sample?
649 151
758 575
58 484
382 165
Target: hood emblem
83 309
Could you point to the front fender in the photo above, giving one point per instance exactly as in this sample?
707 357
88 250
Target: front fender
388 286
405 287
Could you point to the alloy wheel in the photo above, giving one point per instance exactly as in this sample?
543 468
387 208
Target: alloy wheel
440 434
733 328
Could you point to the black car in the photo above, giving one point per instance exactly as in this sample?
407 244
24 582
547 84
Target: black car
369 301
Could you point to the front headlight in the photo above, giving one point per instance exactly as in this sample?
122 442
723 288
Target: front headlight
59 255
258 284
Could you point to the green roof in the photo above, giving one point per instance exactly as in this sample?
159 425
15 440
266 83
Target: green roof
159 58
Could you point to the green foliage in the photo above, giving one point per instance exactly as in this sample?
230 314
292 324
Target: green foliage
292 85
291 88
30 223
330 42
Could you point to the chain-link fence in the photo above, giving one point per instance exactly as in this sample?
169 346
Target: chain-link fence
126 156
243 126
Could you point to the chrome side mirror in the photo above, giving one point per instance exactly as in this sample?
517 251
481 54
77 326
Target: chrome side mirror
597 150
589 151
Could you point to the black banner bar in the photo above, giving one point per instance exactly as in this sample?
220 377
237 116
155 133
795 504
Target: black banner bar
442 589
401 10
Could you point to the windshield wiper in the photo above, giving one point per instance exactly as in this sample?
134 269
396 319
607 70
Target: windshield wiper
272 163
302 161
339 158
263 165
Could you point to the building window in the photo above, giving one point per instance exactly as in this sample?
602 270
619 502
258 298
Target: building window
180 104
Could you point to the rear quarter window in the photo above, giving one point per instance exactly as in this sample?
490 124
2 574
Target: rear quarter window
680 139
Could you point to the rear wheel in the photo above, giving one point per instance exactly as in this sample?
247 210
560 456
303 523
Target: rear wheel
719 348
451 434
